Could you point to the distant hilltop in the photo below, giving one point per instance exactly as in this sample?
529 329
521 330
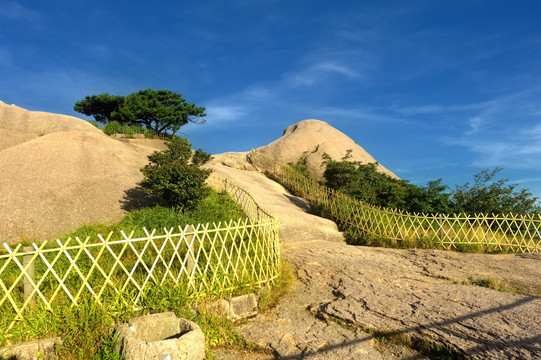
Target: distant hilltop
308 140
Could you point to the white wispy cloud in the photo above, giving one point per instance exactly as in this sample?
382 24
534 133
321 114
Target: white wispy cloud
259 93
501 131
320 72
505 131
288 97
239 108
505 153
436 109
333 67
13 10
528 180
225 113
218 117
535 132
475 124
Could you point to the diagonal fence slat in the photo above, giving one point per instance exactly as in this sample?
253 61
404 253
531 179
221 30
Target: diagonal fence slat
480 232
213 258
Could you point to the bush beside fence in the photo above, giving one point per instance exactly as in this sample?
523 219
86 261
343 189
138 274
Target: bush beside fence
363 223
205 259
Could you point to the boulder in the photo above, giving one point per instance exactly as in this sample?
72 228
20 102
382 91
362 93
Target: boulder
160 336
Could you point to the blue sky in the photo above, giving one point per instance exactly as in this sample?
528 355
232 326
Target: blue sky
432 89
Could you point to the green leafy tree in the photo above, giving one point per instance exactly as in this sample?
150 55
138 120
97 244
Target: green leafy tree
431 199
491 196
486 195
103 107
175 174
160 110
364 182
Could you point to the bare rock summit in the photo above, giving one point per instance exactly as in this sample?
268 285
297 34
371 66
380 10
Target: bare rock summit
308 140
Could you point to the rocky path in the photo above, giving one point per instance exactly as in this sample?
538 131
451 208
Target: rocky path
420 293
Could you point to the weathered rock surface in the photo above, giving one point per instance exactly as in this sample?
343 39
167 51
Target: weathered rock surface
292 332
416 292
31 350
60 172
390 289
235 308
160 336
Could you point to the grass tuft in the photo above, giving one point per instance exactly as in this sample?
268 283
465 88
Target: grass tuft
86 332
270 295
423 345
498 285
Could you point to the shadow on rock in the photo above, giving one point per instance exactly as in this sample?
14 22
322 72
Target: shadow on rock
301 203
137 198
461 337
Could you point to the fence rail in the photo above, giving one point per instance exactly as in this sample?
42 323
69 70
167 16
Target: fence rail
205 259
480 232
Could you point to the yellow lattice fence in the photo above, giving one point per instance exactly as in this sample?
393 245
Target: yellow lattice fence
480 232
205 259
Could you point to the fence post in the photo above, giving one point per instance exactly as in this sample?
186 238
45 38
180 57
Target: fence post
28 288
190 252
395 216
487 228
440 222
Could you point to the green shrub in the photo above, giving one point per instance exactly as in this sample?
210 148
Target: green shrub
216 207
366 183
157 217
200 157
490 196
175 176
112 128
149 133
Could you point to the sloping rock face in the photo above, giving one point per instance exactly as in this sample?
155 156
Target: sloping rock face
60 172
18 125
308 140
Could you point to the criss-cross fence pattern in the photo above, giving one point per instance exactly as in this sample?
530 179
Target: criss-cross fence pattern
480 232
205 259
